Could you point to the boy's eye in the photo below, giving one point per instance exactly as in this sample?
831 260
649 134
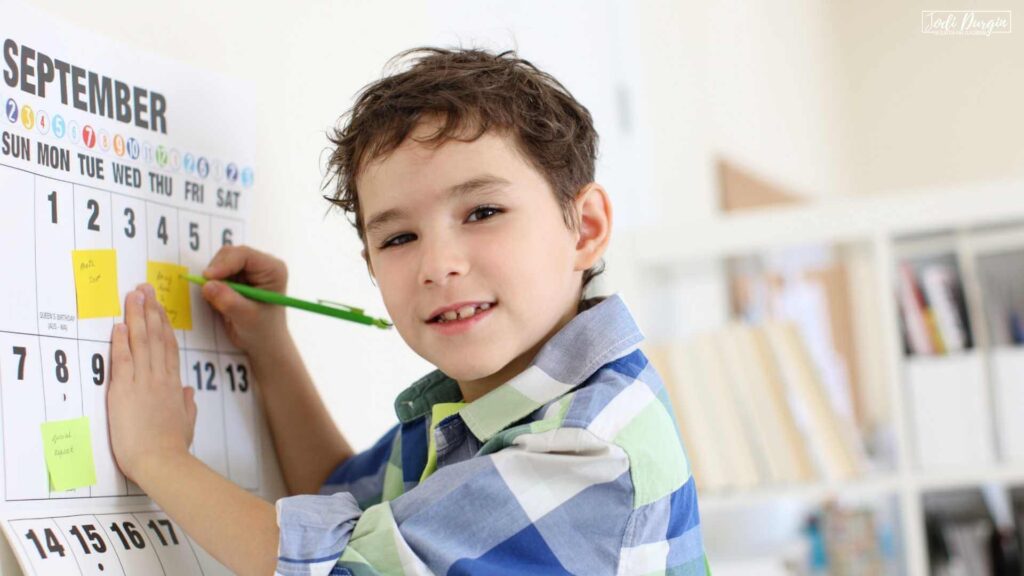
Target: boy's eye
391 242
483 209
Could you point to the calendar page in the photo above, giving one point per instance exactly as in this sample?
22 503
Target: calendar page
116 167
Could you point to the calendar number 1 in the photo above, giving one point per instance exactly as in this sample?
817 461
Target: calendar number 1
52 197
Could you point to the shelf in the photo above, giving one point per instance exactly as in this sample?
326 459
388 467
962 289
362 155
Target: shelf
712 502
845 219
1006 474
875 486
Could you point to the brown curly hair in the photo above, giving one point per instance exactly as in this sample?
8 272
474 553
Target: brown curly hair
473 91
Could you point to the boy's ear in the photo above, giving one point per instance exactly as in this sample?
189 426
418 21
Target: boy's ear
594 208
366 258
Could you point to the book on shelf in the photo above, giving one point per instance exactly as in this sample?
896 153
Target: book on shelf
753 410
933 309
811 287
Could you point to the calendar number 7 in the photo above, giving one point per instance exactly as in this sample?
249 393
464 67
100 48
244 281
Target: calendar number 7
21 353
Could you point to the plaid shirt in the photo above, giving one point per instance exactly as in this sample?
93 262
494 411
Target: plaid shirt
574 466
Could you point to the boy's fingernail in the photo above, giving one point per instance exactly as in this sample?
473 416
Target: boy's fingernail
139 297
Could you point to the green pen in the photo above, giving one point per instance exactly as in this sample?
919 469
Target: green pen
332 309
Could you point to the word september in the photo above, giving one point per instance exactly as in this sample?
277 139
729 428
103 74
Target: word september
89 91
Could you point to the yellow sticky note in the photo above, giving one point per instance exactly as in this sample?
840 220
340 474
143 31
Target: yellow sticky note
68 448
172 291
96 283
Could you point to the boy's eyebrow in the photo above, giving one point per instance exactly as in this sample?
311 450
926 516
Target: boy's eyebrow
473 185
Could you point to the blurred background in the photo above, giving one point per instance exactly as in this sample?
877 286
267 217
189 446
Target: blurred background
819 224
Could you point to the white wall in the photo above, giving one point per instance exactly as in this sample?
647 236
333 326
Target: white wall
773 92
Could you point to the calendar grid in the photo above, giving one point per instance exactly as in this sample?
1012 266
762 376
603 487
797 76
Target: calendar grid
221 378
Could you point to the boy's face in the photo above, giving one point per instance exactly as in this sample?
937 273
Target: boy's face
503 242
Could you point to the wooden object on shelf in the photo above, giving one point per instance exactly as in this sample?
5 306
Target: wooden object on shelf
741 189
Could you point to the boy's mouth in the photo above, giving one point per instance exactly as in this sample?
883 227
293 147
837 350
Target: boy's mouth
462 313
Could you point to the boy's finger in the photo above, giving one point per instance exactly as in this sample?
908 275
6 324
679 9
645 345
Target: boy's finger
224 299
138 340
171 348
155 331
228 261
190 406
121 369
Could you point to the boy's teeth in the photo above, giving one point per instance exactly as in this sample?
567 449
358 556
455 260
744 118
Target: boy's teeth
462 313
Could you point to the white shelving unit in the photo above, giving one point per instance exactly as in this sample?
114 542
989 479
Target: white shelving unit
979 217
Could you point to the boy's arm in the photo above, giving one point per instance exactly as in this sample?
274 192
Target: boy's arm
151 418
235 527
308 444
560 501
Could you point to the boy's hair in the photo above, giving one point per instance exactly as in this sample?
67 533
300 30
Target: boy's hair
472 91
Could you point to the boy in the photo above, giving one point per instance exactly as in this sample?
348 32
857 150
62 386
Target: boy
544 442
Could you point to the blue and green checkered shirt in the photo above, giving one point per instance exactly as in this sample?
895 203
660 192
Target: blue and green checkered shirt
574 466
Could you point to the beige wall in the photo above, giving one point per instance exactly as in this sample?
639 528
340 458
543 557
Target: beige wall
929 111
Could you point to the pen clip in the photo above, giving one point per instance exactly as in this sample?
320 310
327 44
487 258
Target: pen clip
378 322
341 306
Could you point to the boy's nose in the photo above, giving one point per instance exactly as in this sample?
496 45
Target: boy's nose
441 261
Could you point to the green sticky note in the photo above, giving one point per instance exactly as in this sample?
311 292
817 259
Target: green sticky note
68 448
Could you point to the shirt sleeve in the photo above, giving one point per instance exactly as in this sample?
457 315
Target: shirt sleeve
362 475
554 502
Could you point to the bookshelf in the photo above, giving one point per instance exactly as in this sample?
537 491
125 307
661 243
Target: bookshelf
979 228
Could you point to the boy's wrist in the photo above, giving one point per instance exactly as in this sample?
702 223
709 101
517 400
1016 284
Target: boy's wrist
160 465
272 353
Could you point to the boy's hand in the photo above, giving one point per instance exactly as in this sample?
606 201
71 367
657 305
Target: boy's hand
249 324
151 415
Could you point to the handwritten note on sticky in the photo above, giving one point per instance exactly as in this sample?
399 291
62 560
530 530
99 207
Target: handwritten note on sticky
68 450
96 283
172 291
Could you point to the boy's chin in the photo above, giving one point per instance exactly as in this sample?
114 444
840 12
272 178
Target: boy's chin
463 371
467 366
